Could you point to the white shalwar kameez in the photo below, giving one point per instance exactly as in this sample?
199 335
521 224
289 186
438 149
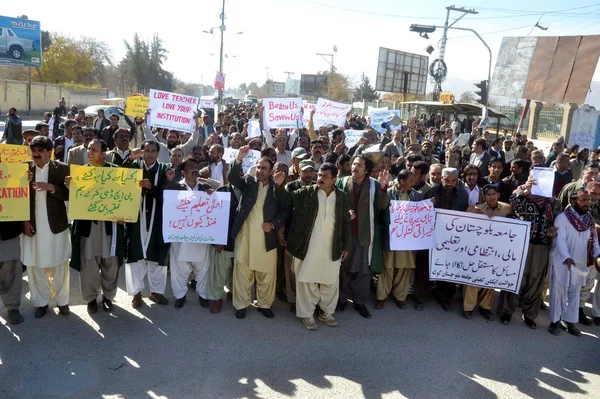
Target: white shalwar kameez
565 285
317 276
188 257
46 254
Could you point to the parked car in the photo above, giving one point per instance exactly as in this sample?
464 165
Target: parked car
108 110
12 45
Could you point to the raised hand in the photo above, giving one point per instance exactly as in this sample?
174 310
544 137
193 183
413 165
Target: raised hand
279 178
384 178
243 152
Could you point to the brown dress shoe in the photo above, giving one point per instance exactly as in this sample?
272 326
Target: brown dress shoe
215 306
400 304
159 298
137 301
379 304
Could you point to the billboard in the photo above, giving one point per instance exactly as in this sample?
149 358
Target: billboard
313 85
401 72
556 69
278 89
20 42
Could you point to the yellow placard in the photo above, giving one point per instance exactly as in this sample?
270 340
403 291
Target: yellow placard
104 193
137 106
14 192
11 153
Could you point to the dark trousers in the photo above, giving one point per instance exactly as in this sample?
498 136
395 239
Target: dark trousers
355 286
422 285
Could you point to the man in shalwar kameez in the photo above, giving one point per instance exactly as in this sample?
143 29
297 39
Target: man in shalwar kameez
46 244
221 268
574 251
319 239
397 265
186 256
368 200
98 246
146 248
255 233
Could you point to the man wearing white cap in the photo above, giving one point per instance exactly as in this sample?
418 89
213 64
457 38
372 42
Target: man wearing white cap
450 196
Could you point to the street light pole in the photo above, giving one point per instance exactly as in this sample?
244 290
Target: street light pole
221 56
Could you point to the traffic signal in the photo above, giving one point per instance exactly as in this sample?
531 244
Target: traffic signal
483 92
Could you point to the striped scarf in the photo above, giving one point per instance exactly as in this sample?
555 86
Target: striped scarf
582 223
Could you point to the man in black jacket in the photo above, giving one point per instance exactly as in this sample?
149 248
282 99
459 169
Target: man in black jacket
319 239
11 269
259 217
46 247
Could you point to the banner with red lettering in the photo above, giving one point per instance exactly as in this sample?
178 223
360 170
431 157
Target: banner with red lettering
282 113
412 225
14 192
172 110
220 81
196 217
330 112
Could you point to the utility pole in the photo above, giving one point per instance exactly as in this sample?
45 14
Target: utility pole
439 66
289 74
222 28
330 63
267 68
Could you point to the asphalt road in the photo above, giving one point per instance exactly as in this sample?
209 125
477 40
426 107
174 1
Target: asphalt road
161 352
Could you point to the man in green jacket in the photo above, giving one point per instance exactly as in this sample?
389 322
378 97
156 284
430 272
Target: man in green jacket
368 200
319 240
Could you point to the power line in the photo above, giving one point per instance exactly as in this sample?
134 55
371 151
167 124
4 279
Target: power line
533 11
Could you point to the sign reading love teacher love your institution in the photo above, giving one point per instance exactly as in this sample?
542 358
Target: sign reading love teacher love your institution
172 111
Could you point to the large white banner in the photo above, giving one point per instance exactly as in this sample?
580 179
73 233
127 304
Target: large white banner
282 113
476 250
249 160
378 117
196 217
412 225
330 112
172 110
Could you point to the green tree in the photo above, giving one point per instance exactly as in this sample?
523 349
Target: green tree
467 97
365 92
147 61
66 61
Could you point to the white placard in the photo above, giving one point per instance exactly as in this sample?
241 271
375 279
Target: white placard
412 225
207 102
476 250
352 137
544 186
172 110
196 217
378 117
248 162
306 110
253 128
330 112
282 113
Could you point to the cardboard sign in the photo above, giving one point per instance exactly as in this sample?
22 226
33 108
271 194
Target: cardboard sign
412 225
172 111
12 153
282 113
331 113
475 250
137 106
195 217
105 193
247 163
14 192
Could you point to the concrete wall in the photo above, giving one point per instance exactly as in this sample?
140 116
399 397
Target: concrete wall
45 96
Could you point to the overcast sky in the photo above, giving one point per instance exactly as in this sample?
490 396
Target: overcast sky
284 35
